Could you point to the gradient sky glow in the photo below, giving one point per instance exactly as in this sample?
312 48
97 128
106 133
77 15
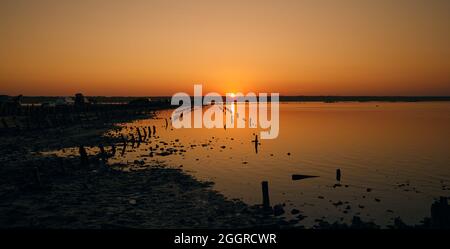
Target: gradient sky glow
315 47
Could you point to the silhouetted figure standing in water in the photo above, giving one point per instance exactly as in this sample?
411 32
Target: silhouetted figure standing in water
167 124
154 130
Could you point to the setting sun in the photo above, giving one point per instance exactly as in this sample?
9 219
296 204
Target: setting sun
253 117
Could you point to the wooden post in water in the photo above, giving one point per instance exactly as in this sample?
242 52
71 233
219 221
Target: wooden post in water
139 134
124 141
133 140
265 193
338 175
113 149
103 154
83 156
145 133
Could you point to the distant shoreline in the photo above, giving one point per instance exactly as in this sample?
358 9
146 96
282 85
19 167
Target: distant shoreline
327 99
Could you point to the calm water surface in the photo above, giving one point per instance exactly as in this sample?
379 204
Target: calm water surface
394 159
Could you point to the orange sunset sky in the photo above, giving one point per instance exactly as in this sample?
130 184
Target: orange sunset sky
137 48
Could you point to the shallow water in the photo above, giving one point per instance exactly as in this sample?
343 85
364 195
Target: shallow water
394 159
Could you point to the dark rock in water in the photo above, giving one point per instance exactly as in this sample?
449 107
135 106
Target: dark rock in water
289 153
368 189
301 217
278 210
339 203
164 153
301 177
293 221
357 223
295 211
377 200
399 224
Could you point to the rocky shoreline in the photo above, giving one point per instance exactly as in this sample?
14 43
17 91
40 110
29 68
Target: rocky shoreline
52 192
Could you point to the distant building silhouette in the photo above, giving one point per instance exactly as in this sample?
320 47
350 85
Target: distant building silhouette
80 100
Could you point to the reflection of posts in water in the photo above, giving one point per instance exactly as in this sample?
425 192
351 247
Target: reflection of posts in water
265 193
338 175
154 130
256 144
